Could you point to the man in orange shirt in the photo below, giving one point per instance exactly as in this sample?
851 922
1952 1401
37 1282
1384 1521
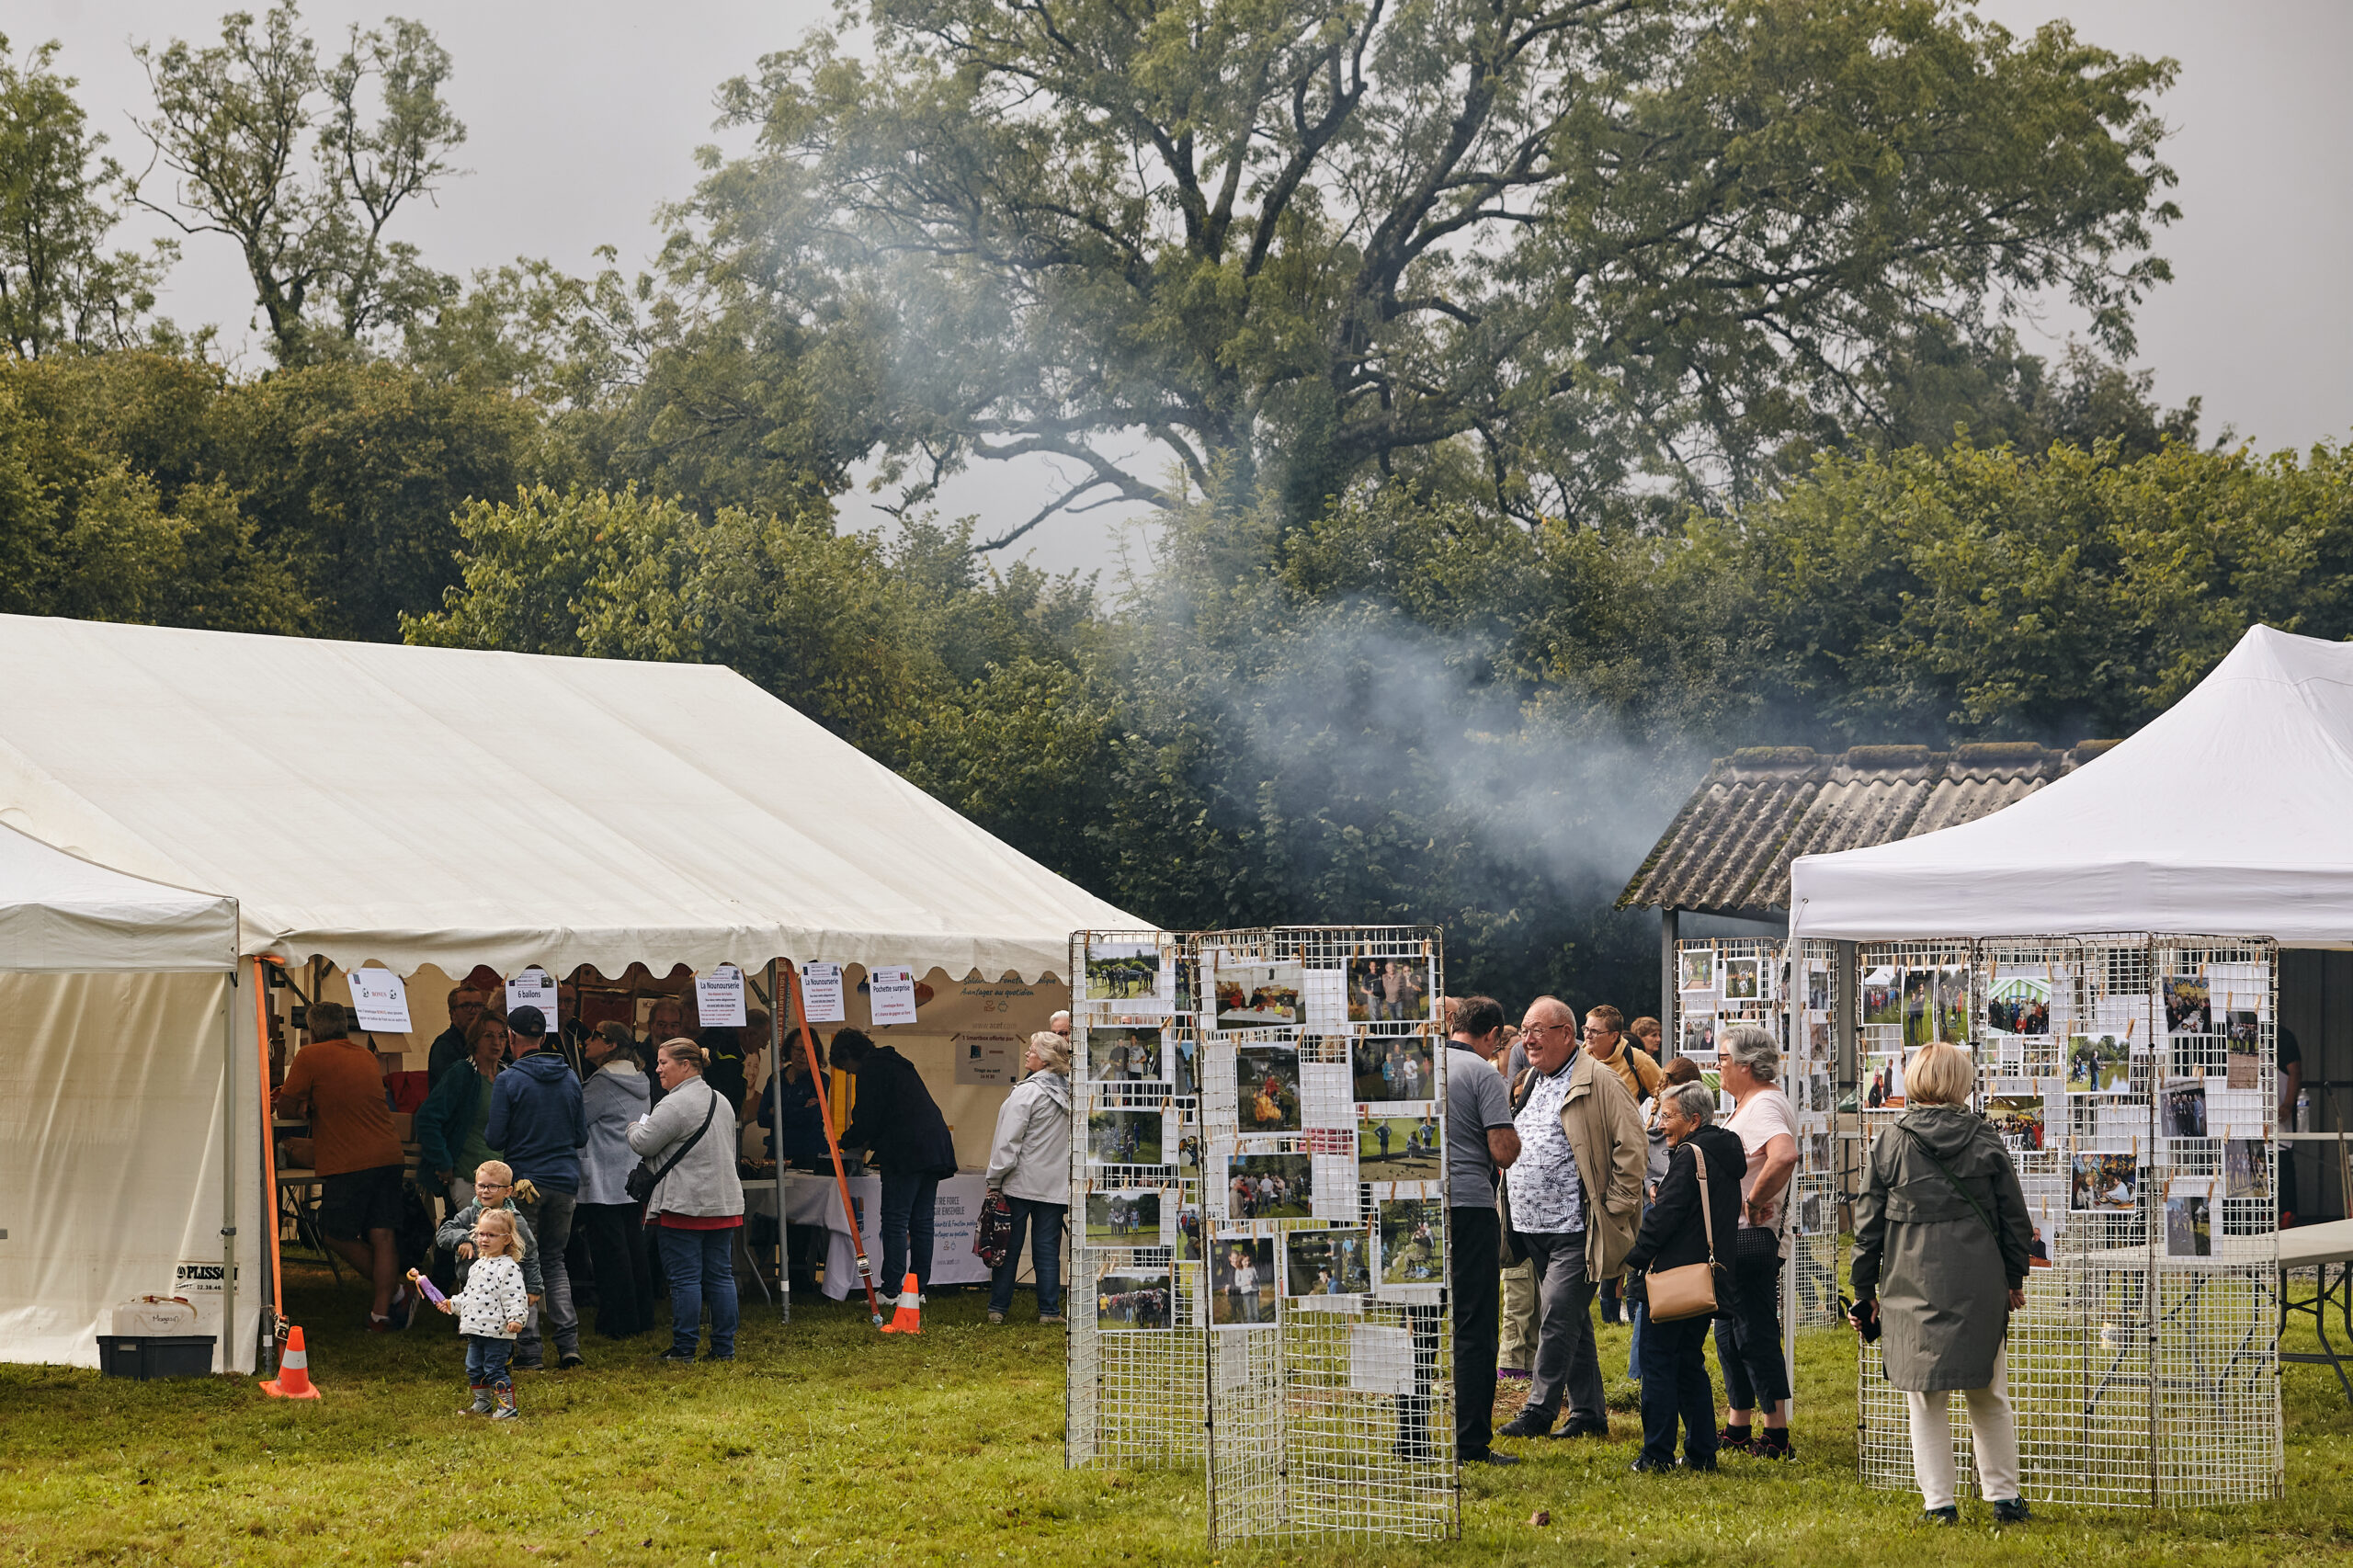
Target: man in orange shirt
341 1088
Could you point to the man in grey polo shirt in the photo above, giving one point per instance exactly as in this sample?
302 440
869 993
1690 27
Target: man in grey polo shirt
1479 1142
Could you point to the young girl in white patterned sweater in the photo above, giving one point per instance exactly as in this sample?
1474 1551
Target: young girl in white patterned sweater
491 1312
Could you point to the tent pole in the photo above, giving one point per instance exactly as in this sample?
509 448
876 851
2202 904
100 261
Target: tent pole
229 1171
776 1170
268 1358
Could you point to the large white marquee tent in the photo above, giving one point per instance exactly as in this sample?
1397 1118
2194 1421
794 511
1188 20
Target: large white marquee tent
415 806
2227 815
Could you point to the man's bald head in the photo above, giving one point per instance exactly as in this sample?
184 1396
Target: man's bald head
1549 1033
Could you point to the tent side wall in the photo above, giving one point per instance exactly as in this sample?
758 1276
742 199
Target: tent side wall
111 1148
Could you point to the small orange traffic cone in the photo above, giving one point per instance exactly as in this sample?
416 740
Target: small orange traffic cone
908 1319
293 1380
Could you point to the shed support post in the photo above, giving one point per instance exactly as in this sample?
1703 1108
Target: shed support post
1670 1027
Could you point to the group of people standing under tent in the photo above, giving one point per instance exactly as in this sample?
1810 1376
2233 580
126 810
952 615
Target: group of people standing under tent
1575 1162
530 1133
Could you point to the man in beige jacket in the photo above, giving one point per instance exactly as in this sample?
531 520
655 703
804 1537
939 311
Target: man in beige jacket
1576 1201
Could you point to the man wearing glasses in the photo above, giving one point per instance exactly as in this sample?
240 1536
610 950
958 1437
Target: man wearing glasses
1576 1199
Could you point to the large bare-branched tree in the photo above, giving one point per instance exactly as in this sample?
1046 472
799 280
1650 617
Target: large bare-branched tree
1573 249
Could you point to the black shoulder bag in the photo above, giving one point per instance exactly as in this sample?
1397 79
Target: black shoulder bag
1966 1195
642 1181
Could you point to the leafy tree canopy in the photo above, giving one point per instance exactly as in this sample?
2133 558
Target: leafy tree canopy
1603 246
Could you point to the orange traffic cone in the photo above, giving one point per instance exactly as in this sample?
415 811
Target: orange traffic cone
293 1381
908 1319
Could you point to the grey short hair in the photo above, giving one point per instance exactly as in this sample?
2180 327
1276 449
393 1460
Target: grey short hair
1696 1101
1752 1048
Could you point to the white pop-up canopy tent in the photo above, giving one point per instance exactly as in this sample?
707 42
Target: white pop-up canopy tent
2227 815
415 806
118 1099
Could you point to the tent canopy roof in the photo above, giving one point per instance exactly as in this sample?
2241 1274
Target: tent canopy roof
426 805
2226 816
65 915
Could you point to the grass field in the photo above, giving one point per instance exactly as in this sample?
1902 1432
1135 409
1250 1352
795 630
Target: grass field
827 1444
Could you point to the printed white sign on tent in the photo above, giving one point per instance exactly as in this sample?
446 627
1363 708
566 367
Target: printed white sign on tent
821 992
719 997
890 993
532 988
379 1001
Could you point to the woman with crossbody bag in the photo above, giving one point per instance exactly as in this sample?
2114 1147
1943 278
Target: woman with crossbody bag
1748 1331
1943 1245
1686 1248
694 1199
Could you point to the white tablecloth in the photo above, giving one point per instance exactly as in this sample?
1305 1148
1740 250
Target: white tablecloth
812 1200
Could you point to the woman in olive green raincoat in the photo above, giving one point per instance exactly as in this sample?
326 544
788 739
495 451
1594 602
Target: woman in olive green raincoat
1941 1255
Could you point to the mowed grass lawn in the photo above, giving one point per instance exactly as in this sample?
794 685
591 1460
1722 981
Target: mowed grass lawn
827 1444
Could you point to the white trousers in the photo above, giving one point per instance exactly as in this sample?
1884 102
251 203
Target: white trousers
1992 1428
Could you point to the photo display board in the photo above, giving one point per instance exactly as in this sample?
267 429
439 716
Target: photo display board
1259 1216
2131 1078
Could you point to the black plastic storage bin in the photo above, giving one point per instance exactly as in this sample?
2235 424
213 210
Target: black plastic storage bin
145 1356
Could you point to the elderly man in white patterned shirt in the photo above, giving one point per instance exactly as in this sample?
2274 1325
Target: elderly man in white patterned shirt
1575 1201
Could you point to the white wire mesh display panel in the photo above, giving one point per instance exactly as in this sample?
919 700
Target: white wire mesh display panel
1906 994
2129 1077
1811 1077
1791 1001
1135 1387
1332 1400
1306 1359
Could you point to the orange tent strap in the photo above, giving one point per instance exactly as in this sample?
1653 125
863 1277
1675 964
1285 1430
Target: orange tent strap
832 1145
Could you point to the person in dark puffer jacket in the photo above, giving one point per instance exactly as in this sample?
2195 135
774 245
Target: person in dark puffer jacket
537 1122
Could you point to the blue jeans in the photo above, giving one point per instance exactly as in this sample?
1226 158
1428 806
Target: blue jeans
1044 1224
906 1229
1676 1387
486 1361
701 1269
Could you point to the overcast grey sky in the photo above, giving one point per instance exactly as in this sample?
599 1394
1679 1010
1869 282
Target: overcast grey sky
583 117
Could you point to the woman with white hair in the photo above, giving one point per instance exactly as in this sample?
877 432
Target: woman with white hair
1942 1246
1030 1168
1748 1334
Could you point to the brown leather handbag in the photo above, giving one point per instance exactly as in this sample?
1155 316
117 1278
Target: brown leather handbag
1674 1294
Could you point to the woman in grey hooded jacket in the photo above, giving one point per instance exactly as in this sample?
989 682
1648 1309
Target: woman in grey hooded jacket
615 1094
1941 1241
1030 1166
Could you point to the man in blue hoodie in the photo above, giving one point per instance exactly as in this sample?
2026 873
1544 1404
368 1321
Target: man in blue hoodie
537 1122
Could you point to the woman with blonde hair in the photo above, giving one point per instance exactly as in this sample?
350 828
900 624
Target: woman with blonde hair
1030 1168
1942 1248
697 1204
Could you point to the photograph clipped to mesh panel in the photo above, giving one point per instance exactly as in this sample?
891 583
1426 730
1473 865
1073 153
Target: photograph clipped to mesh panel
1125 1054
1389 991
1413 1248
2098 1064
1255 995
1125 1138
1127 1296
1124 1217
1399 1148
1392 1067
1328 1263
1265 1088
2104 1182
1696 971
1269 1187
1132 971
1241 1282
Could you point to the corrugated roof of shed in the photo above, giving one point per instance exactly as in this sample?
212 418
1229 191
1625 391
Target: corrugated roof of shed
1728 850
